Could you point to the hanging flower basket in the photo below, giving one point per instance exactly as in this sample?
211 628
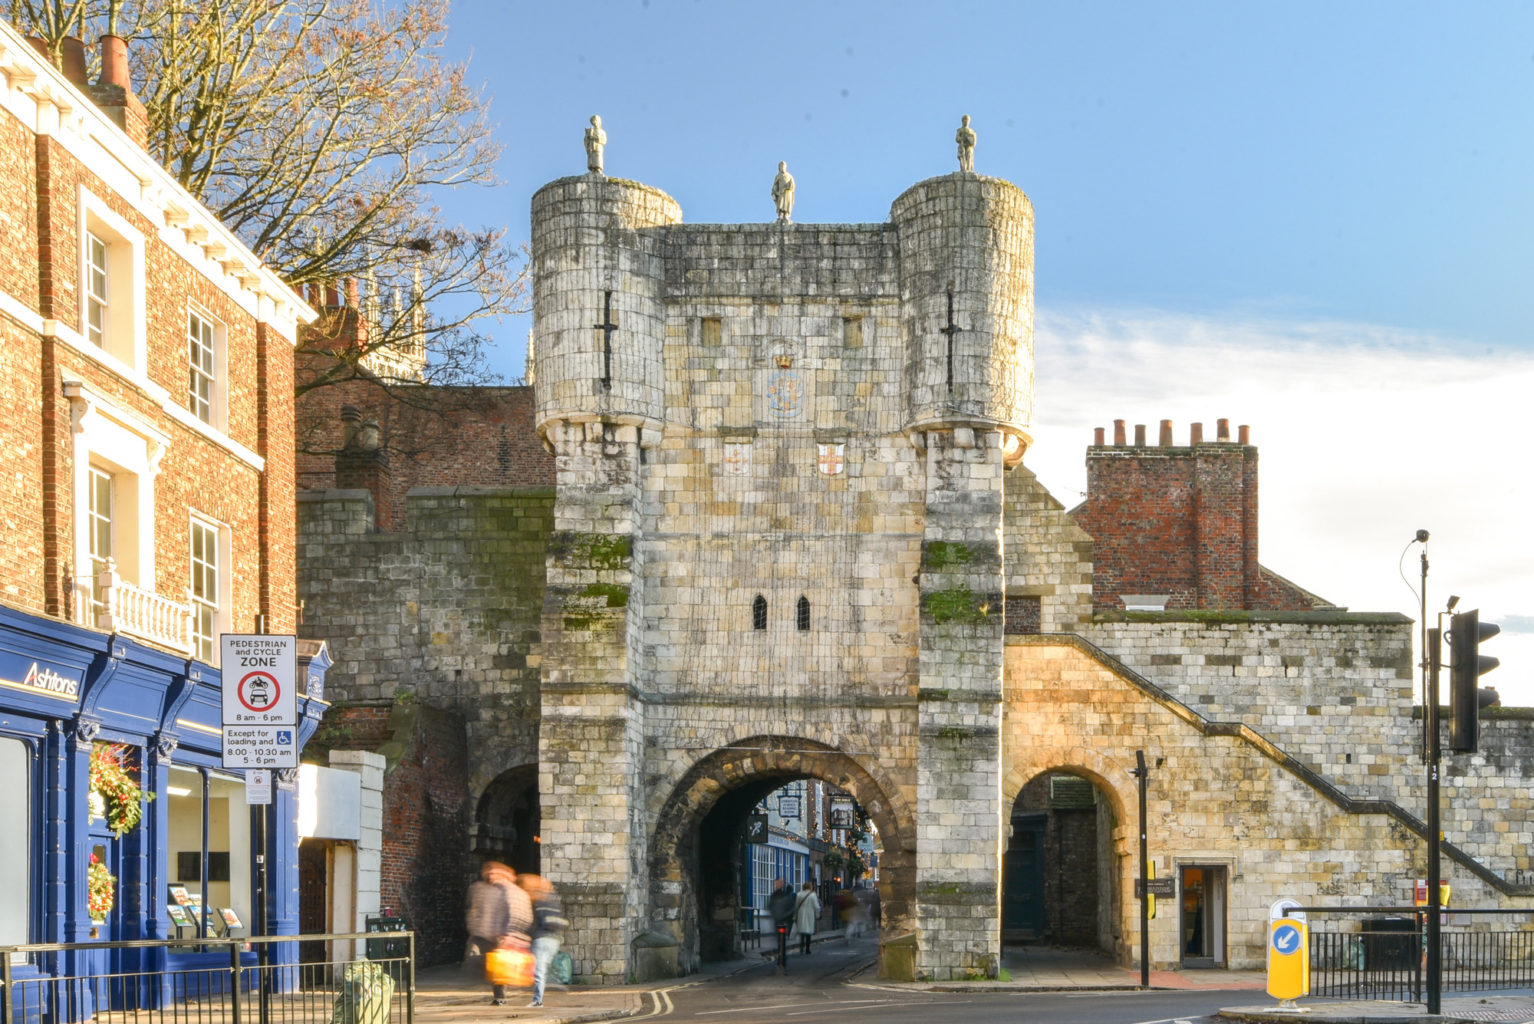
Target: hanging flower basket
101 890
113 783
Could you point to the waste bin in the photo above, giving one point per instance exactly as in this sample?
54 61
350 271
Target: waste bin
897 958
386 949
1391 944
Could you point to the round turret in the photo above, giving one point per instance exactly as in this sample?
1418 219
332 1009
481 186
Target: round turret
966 298
599 324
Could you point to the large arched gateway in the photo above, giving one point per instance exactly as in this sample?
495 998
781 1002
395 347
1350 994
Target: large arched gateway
694 848
791 534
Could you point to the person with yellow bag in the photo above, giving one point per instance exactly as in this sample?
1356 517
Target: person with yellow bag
498 920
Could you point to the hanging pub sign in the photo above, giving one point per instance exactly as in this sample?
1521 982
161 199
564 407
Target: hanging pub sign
756 828
843 813
788 806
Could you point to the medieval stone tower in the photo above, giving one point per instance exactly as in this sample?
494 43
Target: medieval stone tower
777 543
791 535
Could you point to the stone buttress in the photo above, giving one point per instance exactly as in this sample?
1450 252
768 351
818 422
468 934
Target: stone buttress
598 338
966 266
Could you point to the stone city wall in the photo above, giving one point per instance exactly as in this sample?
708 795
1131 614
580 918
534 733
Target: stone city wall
446 610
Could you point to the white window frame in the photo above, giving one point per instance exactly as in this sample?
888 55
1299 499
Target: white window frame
207 364
109 440
205 647
122 334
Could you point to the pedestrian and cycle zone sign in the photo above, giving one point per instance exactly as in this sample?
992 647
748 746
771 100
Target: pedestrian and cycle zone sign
1288 959
260 700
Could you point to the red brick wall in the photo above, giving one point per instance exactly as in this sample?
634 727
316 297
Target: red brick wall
426 814
432 437
40 182
1180 521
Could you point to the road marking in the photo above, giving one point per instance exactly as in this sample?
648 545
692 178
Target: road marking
854 1009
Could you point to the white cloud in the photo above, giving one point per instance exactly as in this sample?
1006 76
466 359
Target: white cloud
1366 434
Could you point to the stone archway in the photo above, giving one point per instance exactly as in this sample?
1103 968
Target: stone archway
507 817
687 868
1066 834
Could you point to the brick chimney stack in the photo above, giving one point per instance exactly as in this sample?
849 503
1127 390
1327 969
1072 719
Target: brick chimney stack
363 463
1179 521
113 91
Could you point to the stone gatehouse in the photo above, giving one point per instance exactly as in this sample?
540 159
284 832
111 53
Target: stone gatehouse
792 533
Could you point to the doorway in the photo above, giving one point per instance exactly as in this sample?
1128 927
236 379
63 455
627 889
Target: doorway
1203 915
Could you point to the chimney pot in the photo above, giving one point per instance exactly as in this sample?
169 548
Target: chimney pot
74 62
114 63
352 293
1245 433
1097 436
351 418
1196 434
1222 430
1118 431
1139 435
1165 440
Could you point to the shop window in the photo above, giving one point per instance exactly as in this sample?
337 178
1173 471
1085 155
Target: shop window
210 885
16 843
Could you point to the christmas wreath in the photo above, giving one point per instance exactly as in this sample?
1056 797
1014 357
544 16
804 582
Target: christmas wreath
114 783
101 890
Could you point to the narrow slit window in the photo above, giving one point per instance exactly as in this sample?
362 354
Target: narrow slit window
759 612
803 613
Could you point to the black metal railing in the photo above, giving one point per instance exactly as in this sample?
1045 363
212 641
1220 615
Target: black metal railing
1380 952
257 980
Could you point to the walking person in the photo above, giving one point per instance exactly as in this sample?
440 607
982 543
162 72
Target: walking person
549 926
499 916
807 914
780 907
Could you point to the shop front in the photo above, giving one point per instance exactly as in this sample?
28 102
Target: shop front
120 821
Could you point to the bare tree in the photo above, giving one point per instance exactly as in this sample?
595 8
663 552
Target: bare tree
321 131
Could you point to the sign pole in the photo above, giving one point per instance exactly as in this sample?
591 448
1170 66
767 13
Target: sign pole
1143 774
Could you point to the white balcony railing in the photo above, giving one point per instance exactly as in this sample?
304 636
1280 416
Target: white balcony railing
122 607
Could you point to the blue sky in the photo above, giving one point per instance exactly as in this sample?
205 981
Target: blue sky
1314 218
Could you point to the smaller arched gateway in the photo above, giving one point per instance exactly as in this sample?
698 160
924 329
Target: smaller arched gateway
506 819
696 847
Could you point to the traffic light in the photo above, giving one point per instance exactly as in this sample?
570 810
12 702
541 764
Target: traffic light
1466 631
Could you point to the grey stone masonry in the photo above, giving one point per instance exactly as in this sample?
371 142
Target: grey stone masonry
958 838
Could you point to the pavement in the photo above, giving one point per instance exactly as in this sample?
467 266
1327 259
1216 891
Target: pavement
452 995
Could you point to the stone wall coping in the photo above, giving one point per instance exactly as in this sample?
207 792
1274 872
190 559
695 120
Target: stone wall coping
483 491
1217 618
336 494
1268 749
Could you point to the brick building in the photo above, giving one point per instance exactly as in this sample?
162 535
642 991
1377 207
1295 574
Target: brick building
146 369
792 534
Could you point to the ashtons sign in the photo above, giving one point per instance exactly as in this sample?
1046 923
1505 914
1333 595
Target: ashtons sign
41 679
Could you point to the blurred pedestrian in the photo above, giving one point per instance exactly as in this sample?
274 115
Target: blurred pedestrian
780 905
807 914
856 915
549 926
499 916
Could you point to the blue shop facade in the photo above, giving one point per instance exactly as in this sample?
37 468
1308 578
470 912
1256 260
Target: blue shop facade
191 865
